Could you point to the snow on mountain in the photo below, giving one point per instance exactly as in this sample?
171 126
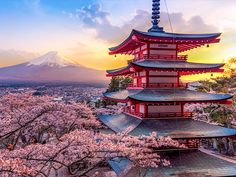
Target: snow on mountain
50 59
50 67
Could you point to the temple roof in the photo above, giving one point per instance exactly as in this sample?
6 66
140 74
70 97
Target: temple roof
181 66
175 65
166 95
179 128
185 41
183 164
179 35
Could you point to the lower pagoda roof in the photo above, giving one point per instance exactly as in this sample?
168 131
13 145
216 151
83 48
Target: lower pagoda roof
166 95
163 65
183 164
176 128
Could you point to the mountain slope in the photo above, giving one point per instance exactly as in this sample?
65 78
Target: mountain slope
51 67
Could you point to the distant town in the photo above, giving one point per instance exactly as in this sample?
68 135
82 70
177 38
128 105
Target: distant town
60 92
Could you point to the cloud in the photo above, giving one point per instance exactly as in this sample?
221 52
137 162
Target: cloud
194 25
12 57
93 17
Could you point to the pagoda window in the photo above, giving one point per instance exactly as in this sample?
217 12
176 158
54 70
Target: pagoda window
142 108
143 73
144 80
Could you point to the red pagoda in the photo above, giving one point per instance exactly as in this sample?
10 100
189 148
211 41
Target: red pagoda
156 98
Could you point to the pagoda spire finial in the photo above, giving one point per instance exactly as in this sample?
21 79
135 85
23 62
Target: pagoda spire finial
155 16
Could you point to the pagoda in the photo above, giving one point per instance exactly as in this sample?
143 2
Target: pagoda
156 98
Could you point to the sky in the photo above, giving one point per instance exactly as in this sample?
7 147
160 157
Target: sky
83 30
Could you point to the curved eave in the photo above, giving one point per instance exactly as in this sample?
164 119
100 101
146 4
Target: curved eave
184 128
178 95
176 65
184 70
167 95
119 71
129 44
185 41
178 36
120 96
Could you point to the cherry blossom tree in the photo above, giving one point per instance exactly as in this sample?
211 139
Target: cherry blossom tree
213 113
40 137
25 119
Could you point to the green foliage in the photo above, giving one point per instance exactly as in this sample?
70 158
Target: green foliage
221 114
221 84
119 83
116 84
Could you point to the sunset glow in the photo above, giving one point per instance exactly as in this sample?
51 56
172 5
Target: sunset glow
82 31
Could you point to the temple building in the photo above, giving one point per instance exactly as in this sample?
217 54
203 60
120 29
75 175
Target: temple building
156 98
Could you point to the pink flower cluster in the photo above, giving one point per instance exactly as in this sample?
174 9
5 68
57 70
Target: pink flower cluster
43 138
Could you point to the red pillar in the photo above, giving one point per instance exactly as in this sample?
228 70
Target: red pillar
178 75
146 110
182 108
176 54
147 78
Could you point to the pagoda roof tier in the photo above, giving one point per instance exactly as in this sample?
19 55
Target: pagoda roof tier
166 95
178 66
183 163
176 128
185 41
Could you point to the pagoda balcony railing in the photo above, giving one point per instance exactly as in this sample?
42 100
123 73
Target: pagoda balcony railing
161 57
159 85
160 115
169 114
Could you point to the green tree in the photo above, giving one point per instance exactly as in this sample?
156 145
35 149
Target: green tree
119 83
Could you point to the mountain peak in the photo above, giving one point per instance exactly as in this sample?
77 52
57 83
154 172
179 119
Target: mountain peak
51 59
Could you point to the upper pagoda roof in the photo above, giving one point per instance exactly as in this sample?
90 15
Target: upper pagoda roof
183 163
176 128
166 95
181 66
185 41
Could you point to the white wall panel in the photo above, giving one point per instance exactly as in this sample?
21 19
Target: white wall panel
144 80
154 80
141 109
163 52
162 109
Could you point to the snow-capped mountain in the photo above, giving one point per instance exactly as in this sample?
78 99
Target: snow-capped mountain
51 59
51 67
